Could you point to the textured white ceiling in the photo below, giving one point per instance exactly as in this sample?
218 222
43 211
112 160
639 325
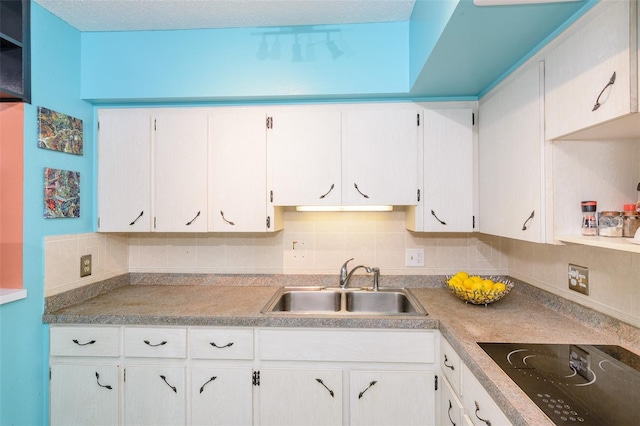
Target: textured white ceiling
127 15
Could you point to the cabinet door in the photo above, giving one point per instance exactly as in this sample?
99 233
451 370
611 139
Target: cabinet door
238 171
154 395
448 170
84 395
221 396
579 69
451 409
124 170
392 398
304 148
381 156
510 159
300 397
478 404
180 172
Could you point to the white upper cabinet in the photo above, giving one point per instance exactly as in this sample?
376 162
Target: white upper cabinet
448 185
511 158
592 74
305 156
380 149
180 171
238 172
124 170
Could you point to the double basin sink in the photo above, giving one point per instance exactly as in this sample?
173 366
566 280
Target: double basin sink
340 302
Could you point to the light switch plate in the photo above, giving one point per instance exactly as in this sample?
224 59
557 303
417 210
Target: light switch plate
578 278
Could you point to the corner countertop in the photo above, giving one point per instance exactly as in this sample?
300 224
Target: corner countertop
526 315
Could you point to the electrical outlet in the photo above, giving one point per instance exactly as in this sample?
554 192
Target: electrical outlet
414 257
579 279
85 265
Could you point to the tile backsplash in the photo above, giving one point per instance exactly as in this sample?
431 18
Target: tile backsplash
318 243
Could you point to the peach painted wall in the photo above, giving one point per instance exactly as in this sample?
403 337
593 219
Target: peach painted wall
11 183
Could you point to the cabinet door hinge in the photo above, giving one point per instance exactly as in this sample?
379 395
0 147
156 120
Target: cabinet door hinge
124 377
418 118
154 124
473 222
256 378
49 373
269 122
271 196
473 118
436 382
154 223
98 125
268 222
418 195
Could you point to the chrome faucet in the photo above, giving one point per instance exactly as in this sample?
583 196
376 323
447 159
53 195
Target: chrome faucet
346 277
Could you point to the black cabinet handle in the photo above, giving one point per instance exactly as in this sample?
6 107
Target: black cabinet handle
367 388
445 363
100 384
327 193
610 83
164 378
206 383
437 218
221 346
449 413
90 342
325 386
524 225
136 219
487 422
164 342
225 219
193 220
355 185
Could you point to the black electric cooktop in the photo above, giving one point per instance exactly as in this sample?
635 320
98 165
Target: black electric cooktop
575 384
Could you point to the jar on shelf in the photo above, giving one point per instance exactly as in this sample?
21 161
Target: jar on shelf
589 224
610 224
630 220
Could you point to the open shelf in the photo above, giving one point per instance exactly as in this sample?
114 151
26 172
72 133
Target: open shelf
615 243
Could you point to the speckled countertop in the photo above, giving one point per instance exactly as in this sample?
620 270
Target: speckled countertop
527 314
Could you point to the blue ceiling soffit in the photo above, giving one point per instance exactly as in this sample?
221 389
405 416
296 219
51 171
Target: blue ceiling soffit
480 45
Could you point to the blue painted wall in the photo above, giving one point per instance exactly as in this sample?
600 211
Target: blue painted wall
24 339
222 64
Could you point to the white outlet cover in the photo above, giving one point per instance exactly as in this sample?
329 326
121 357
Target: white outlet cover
414 257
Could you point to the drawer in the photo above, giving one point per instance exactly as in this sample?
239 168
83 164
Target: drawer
155 342
450 365
479 405
347 345
220 343
84 341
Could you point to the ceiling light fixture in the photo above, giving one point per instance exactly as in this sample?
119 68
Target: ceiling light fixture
344 208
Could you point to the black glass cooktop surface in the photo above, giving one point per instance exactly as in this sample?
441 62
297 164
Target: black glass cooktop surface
575 384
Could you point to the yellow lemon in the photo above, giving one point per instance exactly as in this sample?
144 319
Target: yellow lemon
454 281
476 278
476 286
499 287
468 283
487 285
462 275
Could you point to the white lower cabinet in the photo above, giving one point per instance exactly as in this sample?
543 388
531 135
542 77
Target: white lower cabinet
84 394
463 399
132 375
154 395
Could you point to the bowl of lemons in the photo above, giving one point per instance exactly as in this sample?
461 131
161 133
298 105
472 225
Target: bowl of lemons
478 290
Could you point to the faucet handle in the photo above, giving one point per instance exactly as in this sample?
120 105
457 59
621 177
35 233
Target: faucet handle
343 273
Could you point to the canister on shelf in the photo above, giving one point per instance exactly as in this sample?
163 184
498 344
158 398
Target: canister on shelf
630 220
610 224
589 224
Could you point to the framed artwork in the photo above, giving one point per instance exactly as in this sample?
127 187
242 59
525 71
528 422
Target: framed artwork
59 132
61 193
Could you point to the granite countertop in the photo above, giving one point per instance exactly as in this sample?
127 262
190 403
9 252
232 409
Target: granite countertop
525 315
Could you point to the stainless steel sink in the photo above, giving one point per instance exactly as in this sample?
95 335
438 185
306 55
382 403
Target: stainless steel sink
343 302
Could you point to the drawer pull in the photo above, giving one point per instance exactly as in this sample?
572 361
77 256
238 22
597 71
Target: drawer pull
612 80
228 345
488 423
136 219
206 383
447 365
173 387
327 193
325 386
164 342
449 413
367 388
225 219
442 222
355 185
193 220
91 342
100 384
524 225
